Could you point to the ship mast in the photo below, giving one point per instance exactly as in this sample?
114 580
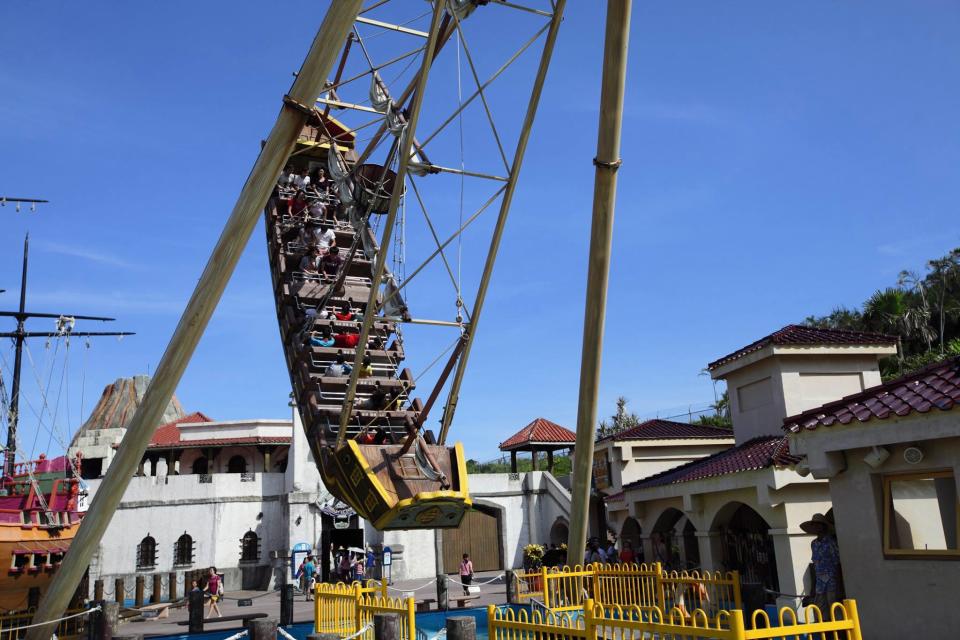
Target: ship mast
20 336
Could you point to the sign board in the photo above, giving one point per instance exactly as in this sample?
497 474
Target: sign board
601 471
297 554
387 556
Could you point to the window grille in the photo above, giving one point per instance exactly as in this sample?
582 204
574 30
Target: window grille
147 553
249 547
183 550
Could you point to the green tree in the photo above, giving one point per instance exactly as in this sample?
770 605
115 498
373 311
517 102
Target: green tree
620 421
944 273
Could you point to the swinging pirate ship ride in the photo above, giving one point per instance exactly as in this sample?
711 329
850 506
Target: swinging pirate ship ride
367 433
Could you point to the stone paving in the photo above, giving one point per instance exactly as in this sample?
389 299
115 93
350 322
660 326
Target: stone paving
268 602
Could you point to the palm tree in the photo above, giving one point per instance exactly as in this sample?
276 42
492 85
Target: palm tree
943 272
889 311
916 284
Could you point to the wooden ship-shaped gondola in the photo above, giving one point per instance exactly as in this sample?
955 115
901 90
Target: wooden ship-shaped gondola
383 467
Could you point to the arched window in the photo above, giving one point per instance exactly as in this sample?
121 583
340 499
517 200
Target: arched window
249 547
237 464
147 553
183 550
200 466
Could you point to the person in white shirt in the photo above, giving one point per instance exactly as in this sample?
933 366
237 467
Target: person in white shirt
326 238
301 180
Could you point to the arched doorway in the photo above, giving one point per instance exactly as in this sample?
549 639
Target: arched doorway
747 546
691 547
237 464
478 535
559 532
630 534
664 539
200 466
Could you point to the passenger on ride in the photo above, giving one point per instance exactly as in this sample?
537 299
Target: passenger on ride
339 367
301 180
346 312
307 236
299 204
347 340
366 369
330 264
310 263
322 184
285 176
378 399
318 211
324 339
366 437
324 238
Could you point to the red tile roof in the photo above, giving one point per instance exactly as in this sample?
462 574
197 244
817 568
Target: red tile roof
168 436
221 442
799 335
668 430
752 455
540 431
934 387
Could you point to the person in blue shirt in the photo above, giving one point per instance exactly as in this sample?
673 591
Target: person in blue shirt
309 577
371 561
324 339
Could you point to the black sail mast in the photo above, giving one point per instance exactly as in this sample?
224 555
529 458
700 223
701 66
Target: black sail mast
19 336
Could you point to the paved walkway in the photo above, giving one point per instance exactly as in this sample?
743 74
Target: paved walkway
268 602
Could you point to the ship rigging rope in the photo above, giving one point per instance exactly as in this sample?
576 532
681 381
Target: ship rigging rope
45 406
44 390
8 632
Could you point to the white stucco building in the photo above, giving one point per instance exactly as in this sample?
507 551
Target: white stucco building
741 508
245 496
892 457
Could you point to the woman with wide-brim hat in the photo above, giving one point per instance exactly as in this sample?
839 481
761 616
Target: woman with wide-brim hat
825 556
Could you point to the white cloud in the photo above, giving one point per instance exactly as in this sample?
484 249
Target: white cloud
84 254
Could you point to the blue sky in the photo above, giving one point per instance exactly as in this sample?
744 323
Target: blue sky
779 159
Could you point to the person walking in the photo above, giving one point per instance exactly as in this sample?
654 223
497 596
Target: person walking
214 589
309 576
466 573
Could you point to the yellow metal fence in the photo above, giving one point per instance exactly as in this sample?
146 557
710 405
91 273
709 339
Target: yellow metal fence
598 622
643 585
345 609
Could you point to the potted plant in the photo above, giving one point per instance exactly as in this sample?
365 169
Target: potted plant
533 561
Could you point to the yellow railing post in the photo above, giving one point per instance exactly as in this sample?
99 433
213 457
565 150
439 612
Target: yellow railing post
737 598
737 627
356 608
411 619
595 587
851 608
589 622
316 612
659 587
543 584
